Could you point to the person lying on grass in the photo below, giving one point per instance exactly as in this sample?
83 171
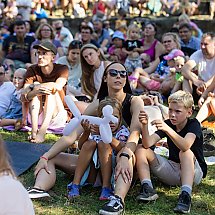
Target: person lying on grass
186 165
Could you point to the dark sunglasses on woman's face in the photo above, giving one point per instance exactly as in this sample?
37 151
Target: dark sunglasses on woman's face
114 73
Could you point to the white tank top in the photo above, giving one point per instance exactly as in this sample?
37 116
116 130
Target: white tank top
97 77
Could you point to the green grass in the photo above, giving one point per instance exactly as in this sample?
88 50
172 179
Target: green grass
202 201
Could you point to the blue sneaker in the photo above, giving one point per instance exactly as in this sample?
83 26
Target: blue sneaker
73 190
106 193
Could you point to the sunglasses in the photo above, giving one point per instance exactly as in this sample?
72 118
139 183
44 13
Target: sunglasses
76 44
167 41
114 73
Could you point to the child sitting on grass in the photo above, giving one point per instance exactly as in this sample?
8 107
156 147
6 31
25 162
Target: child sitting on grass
92 149
186 165
13 115
163 84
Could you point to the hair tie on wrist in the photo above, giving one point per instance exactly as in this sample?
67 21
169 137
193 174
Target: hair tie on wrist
42 157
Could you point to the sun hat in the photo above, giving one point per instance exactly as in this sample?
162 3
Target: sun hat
174 53
118 34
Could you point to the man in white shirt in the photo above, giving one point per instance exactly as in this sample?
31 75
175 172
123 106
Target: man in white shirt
6 91
63 34
24 8
203 62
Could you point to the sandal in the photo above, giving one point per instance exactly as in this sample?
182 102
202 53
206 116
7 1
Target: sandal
18 125
31 138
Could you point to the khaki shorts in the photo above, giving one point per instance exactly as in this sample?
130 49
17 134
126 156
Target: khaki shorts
169 171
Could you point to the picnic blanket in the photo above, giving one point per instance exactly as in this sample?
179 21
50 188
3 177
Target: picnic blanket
28 128
24 155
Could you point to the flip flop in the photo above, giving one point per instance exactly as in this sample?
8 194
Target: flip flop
18 125
31 138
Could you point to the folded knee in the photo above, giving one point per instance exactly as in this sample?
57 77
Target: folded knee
89 145
186 154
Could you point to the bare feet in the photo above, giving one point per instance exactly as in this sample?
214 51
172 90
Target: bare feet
40 138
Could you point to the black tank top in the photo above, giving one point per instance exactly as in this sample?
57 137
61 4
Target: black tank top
126 105
126 112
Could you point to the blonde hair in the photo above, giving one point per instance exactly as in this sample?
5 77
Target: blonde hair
5 167
183 97
87 80
115 105
38 32
131 27
22 70
175 38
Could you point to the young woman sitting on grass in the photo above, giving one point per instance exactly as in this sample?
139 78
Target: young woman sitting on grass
116 86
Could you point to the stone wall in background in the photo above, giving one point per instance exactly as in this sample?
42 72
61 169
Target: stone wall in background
164 24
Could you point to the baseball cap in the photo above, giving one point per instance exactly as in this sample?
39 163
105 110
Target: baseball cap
48 46
174 53
118 34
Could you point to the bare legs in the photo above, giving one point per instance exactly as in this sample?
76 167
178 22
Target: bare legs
35 108
5 122
63 161
105 158
146 156
121 188
187 167
204 111
84 159
53 105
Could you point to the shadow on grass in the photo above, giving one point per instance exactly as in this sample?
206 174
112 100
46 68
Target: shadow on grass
23 136
203 198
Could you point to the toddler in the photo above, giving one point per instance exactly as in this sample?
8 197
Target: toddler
133 47
116 50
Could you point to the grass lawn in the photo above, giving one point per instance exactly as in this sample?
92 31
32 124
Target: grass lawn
203 200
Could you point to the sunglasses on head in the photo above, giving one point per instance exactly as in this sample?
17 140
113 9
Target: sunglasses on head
76 44
114 73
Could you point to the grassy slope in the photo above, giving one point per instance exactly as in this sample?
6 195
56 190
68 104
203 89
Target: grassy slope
202 201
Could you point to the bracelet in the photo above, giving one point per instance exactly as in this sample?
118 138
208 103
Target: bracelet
124 155
42 157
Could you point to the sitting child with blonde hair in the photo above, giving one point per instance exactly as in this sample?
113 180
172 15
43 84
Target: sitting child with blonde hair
13 115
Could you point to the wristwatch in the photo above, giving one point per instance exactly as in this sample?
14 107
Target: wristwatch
31 87
124 155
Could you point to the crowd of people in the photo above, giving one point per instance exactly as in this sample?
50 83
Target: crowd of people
127 68
102 8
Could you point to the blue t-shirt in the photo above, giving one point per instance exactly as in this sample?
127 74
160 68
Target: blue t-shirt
104 35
